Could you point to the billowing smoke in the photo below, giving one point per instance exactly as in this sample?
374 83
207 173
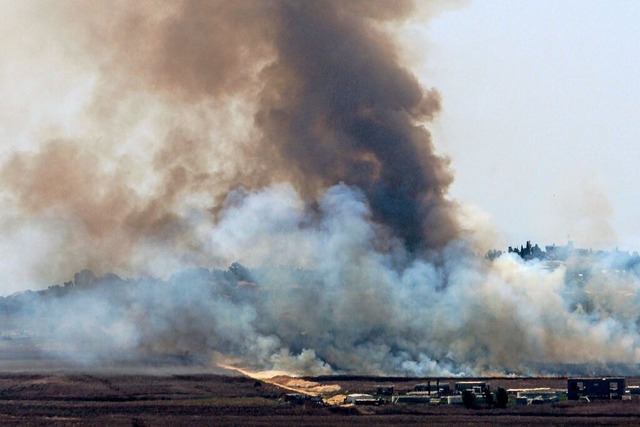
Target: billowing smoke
150 138
184 102
332 300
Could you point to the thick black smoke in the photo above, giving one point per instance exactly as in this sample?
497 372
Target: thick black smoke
339 107
201 97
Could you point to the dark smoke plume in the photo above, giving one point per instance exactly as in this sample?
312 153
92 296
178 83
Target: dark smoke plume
347 111
320 84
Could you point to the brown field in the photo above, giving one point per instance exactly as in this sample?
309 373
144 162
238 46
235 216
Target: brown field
196 399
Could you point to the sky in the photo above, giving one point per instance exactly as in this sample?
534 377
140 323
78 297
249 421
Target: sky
541 116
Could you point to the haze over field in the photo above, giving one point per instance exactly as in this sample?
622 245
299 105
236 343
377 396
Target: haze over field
148 138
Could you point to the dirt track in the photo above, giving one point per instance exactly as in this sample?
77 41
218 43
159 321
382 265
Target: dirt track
83 399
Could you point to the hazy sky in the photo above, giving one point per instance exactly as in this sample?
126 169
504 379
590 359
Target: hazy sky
541 116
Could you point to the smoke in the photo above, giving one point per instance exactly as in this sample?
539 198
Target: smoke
331 299
586 214
143 109
148 138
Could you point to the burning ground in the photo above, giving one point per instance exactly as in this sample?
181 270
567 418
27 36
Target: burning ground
335 321
150 139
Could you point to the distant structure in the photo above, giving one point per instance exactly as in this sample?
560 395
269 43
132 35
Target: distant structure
477 387
595 388
528 252
617 259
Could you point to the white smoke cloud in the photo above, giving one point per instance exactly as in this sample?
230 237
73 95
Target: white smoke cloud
322 296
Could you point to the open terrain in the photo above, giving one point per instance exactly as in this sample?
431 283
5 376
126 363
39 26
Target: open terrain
206 399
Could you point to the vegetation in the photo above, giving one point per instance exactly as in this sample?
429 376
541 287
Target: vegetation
502 398
468 399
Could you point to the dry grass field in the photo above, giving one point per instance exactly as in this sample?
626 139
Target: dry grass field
157 400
